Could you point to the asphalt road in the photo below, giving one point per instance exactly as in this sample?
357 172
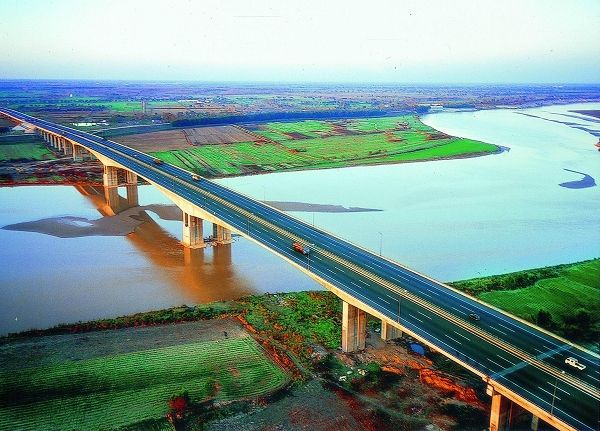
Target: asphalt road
521 357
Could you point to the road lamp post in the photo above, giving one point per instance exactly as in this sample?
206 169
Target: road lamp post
554 393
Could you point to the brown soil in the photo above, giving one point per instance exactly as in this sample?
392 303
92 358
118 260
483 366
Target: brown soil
397 360
60 171
155 141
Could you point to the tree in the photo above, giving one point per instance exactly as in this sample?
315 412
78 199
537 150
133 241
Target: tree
544 319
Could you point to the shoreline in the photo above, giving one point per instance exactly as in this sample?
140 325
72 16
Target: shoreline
211 310
499 150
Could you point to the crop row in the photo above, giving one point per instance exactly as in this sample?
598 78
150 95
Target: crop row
117 390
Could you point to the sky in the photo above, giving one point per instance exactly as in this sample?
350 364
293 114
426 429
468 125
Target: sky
399 41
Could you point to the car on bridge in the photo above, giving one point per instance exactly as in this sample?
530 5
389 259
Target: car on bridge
474 317
158 161
300 248
195 177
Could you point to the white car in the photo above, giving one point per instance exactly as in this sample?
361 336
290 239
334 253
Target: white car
574 363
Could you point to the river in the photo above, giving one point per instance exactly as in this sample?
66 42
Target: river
527 207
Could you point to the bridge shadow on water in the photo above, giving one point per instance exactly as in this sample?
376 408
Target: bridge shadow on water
200 275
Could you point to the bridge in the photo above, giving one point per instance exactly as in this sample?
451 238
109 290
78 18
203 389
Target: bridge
525 367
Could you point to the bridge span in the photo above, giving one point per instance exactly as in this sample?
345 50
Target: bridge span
524 366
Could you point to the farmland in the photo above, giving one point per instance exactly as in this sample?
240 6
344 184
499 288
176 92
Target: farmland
23 148
121 385
315 144
563 299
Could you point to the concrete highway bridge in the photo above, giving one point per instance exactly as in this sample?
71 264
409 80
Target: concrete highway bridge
525 367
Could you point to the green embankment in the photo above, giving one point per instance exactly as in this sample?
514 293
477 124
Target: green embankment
24 151
564 299
326 144
112 391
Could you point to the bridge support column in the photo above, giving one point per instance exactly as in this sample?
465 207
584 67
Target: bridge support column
111 176
131 178
354 328
221 234
389 332
77 153
192 231
535 422
132 195
68 148
505 413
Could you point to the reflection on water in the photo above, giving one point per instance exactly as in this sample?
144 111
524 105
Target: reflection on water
47 280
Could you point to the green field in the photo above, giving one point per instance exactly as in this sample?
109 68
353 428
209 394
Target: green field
24 151
315 144
111 391
568 297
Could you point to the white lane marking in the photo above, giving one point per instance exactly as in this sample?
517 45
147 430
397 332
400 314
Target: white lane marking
549 393
498 330
504 359
355 284
461 335
562 390
592 377
538 350
423 293
496 363
416 318
424 315
466 308
544 401
453 339
505 327
391 297
385 300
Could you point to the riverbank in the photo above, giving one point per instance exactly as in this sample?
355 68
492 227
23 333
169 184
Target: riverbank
231 151
389 385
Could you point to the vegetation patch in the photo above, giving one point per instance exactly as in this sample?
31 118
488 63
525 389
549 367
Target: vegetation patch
26 151
117 390
313 144
564 299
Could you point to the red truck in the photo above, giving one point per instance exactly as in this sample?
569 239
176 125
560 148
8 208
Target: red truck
300 248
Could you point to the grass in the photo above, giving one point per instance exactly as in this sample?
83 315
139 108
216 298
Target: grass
112 391
24 151
564 299
326 144
296 320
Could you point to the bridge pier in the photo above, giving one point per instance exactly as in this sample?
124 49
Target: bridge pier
67 147
77 153
354 328
221 235
111 176
389 332
193 236
506 414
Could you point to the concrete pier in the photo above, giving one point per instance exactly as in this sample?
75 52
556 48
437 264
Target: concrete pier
354 328
221 235
110 176
193 236
132 195
389 332
77 153
67 147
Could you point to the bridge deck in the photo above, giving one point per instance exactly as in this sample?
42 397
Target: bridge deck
502 349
